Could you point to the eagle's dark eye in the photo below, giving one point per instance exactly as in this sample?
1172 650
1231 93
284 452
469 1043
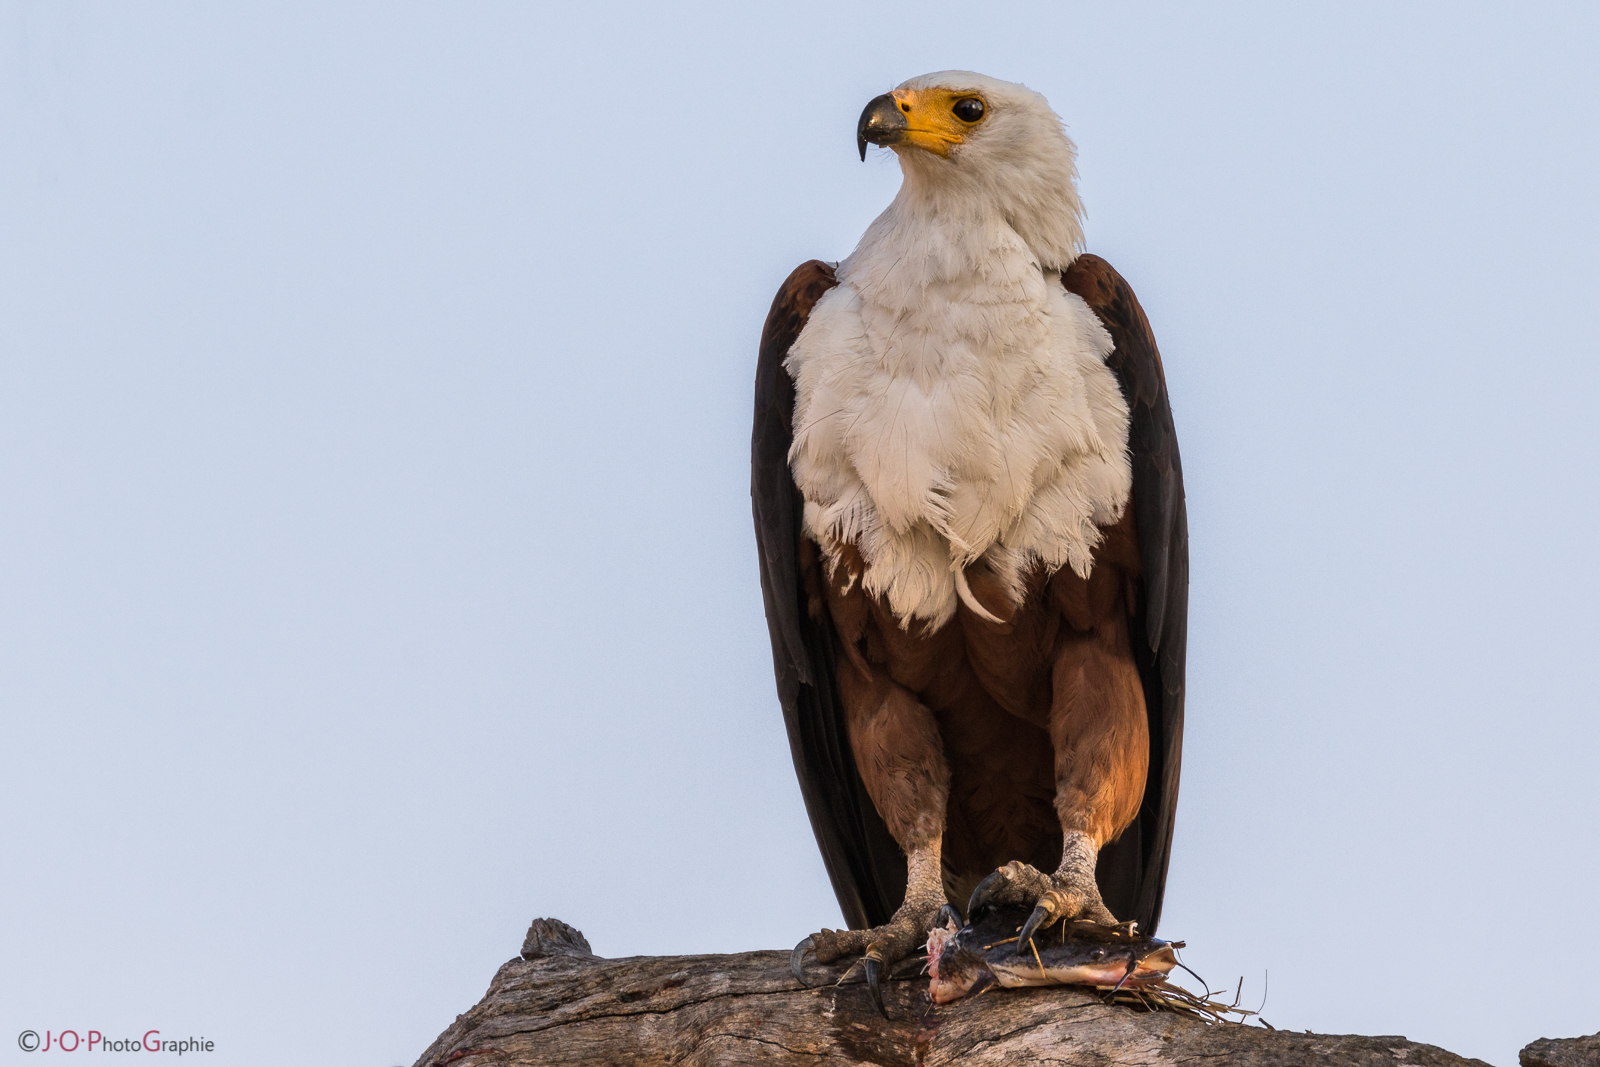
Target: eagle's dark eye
1098 954
969 110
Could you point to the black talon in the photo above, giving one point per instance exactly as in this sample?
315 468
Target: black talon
870 965
985 890
1041 917
797 961
948 916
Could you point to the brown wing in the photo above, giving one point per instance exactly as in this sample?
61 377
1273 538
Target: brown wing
1133 870
866 866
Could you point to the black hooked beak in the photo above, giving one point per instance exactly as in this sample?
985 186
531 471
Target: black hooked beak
882 123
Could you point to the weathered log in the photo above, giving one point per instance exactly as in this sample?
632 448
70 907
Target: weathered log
559 1004
1563 1052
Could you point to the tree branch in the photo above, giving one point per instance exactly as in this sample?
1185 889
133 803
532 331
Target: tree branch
559 1004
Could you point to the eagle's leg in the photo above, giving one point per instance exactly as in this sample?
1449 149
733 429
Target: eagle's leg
900 756
1102 752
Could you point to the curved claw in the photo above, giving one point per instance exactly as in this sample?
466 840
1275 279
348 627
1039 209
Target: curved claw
948 916
870 965
985 890
1043 915
797 961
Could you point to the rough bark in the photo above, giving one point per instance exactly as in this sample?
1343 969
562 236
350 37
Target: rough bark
1563 1052
560 1004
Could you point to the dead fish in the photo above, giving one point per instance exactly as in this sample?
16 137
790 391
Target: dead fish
968 959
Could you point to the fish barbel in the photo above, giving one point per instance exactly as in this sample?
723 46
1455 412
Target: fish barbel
971 958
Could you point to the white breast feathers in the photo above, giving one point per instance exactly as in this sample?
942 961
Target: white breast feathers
953 404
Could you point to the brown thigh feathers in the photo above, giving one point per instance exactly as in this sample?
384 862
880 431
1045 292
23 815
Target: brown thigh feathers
997 735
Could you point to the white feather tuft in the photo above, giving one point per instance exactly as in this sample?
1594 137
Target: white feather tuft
964 591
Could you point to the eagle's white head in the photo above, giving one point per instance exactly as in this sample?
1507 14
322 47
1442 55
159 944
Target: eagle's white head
974 145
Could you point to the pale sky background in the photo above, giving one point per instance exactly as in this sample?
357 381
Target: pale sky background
376 570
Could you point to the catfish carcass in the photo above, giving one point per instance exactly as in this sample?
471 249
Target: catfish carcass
969 959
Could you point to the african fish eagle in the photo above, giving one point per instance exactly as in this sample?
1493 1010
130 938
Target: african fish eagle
973 544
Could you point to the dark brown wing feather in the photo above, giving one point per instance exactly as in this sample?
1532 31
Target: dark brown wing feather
866 866
1133 870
